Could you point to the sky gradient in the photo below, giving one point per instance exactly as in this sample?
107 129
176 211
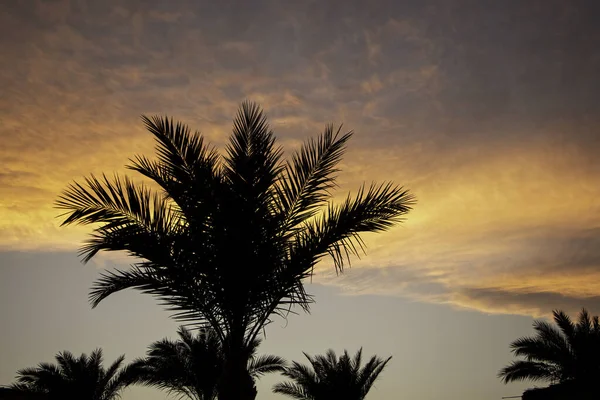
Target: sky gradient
488 111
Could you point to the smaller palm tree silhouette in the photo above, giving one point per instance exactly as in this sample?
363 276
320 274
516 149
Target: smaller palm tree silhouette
570 352
331 378
82 378
193 365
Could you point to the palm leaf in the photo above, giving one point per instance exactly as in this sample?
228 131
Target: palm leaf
292 390
75 377
331 377
337 231
569 353
371 372
310 176
133 218
266 364
527 370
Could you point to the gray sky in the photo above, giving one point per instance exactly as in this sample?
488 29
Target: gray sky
486 110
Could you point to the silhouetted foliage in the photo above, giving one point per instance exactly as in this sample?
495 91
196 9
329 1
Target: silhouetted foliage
568 353
14 394
193 365
228 240
82 378
331 378
568 390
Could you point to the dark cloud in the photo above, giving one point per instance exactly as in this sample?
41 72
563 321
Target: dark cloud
566 250
487 110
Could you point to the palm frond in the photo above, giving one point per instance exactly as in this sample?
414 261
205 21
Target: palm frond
370 373
182 153
549 334
116 202
310 176
565 324
26 388
337 231
42 377
252 161
305 378
186 169
114 378
584 323
562 352
66 362
331 377
265 364
527 370
80 377
356 362
536 349
293 390
177 290
126 211
193 365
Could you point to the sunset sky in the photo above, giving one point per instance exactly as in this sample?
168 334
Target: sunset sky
487 110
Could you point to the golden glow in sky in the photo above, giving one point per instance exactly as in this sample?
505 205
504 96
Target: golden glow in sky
488 111
499 151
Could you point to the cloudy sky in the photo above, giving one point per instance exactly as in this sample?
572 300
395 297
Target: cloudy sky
488 111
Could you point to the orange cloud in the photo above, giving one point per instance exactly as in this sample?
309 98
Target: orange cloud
503 160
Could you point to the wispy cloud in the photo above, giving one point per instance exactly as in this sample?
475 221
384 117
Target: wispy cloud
488 114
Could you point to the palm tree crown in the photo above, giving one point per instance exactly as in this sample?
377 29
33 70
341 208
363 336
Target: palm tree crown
193 365
228 239
569 353
331 378
75 378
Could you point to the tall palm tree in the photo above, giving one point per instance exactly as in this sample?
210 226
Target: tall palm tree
192 366
569 352
227 240
82 378
331 378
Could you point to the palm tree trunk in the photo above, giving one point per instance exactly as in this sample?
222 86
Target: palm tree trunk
236 382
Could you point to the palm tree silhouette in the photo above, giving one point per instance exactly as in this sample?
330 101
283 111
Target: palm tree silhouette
331 378
193 365
570 353
228 240
82 378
